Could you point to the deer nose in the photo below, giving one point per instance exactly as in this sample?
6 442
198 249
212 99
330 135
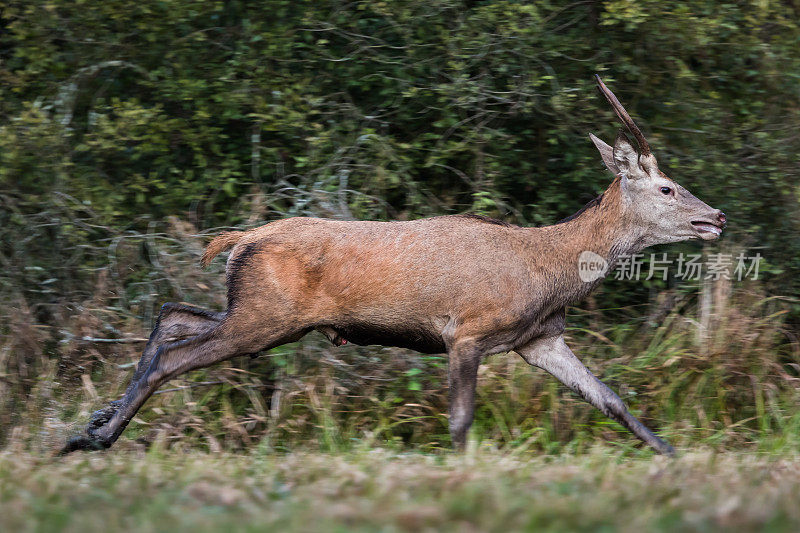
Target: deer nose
722 218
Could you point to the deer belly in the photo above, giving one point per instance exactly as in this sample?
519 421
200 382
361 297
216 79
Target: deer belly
418 339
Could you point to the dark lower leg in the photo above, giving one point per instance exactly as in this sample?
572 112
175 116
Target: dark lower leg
618 411
170 361
462 378
228 339
175 322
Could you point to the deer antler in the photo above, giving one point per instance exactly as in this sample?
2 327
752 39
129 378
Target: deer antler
624 117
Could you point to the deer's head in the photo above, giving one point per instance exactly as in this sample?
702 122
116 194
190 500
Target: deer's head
654 203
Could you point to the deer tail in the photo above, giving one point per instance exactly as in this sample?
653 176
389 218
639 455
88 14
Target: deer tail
220 243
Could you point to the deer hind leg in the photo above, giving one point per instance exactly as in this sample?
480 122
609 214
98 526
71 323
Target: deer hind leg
231 337
175 322
554 356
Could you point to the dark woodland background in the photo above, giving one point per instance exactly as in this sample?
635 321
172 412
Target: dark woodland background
132 131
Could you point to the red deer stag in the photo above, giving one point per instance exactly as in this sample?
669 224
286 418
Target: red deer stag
463 284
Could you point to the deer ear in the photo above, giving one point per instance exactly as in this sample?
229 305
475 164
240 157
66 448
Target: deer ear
607 153
625 156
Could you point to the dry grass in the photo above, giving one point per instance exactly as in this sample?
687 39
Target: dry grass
378 490
735 390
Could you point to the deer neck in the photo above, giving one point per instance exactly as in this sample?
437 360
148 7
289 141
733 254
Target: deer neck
604 228
601 232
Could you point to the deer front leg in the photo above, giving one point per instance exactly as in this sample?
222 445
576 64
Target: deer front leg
175 322
553 355
462 378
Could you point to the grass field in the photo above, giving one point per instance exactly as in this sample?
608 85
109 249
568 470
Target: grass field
379 490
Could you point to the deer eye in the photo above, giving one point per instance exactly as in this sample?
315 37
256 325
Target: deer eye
665 190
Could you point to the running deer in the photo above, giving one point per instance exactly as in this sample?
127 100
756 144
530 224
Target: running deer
463 284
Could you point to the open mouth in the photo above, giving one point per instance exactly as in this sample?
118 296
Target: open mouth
709 228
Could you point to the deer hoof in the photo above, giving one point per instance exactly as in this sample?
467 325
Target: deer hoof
82 442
